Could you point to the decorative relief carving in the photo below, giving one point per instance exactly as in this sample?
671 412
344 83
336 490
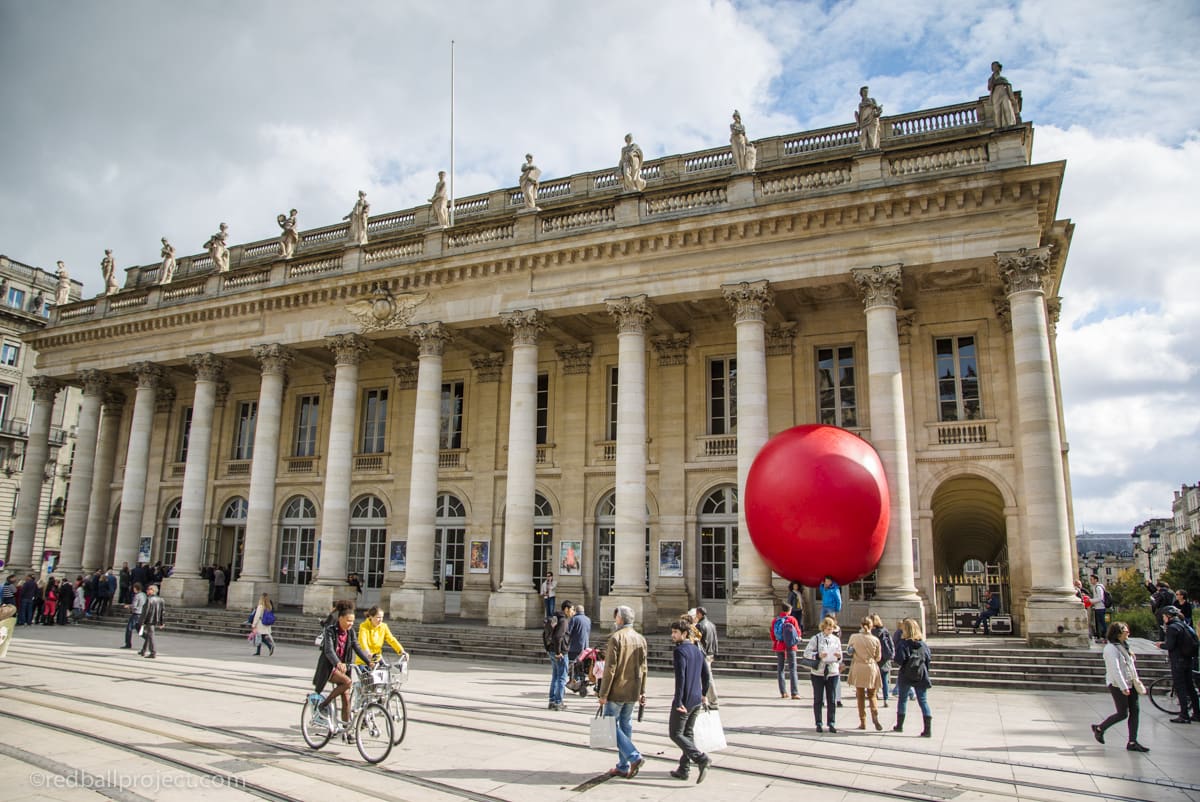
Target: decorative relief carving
207 367
1023 270
575 358
488 367
406 375
950 279
114 402
878 285
672 348
44 388
273 357
222 393
95 382
431 337
904 324
149 375
348 349
631 313
781 339
1003 312
525 325
383 310
1053 313
164 397
749 300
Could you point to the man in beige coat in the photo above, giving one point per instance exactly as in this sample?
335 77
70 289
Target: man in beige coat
623 686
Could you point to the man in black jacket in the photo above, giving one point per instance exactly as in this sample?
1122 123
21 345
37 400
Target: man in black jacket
708 645
557 639
1181 645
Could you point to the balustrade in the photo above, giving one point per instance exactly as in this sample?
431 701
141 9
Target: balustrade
388 222
269 248
724 445
301 464
324 235
958 433
708 161
238 467
316 266
128 300
566 222
480 235
464 208
686 200
800 182
173 291
401 250
452 458
248 278
923 122
370 463
825 139
938 160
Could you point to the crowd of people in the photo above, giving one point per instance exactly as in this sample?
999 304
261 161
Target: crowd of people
60 600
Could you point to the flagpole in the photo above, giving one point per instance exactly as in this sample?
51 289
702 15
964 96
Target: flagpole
451 132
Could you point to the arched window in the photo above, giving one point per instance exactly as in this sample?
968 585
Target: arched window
170 549
231 544
606 533
449 544
718 557
368 541
297 541
543 540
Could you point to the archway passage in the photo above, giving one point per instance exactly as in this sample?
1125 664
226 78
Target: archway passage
970 549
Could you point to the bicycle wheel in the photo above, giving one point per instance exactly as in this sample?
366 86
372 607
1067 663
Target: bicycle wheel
373 733
398 714
313 724
1162 695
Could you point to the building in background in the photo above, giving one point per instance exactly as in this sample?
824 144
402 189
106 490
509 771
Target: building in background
1105 555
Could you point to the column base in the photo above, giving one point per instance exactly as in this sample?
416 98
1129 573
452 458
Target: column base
891 611
319 599
1055 622
424 605
669 605
642 605
516 609
245 593
749 616
178 591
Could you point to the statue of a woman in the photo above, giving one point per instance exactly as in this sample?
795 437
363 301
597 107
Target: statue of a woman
218 249
630 168
167 271
1006 109
867 118
441 201
62 294
108 266
357 233
530 175
289 238
745 155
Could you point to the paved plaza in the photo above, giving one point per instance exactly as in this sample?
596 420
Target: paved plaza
206 720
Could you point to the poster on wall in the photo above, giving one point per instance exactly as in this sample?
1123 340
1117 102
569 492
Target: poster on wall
480 557
670 558
398 555
144 551
49 561
570 557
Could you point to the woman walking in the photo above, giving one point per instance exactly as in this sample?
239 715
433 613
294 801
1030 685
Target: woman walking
913 657
864 672
826 649
886 652
1120 674
264 617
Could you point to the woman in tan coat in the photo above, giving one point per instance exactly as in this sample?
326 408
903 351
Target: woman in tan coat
864 672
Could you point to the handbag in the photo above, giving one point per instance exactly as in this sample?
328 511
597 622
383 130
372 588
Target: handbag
602 733
707 733
807 662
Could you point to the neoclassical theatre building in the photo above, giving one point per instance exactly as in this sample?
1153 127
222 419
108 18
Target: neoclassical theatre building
575 375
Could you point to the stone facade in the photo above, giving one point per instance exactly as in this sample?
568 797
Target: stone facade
582 387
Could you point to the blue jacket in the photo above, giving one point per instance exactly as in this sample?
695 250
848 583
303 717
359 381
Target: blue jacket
831 597
579 632
691 675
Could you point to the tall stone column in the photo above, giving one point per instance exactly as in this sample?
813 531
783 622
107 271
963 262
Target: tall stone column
417 599
1052 613
70 559
515 604
753 599
185 587
631 314
671 594
348 350
256 577
895 591
137 457
37 453
96 535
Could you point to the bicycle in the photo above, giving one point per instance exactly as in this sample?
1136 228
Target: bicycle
370 722
1162 693
384 689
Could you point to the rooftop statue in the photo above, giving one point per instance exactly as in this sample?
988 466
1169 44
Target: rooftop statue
357 232
745 155
62 294
867 118
441 201
108 267
35 305
289 238
218 250
630 167
530 178
167 271
1006 108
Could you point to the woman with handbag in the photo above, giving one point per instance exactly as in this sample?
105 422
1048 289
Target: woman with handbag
1121 677
260 626
865 651
825 652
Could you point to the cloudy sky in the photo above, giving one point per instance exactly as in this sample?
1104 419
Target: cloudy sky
125 121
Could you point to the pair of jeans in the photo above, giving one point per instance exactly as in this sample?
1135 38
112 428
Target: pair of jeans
268 641
825 692
883 676
1101 625
25 613
627 753
787 660
549 600
1185 690
1127 707
131 627
681 727
828 612
902 689
558 678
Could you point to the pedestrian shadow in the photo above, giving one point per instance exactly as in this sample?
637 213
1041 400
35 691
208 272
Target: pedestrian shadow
508 776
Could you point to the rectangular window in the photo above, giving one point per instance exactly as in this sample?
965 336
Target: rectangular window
243 444
5 395
836 399
450 434
16 298
308 408
170 545
185 432
957 379
543 542
722 395
610 416
10 355
543 409
374 422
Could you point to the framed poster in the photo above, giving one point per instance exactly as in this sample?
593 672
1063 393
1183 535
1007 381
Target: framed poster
670 558
398 555
144 551
570 557
480 558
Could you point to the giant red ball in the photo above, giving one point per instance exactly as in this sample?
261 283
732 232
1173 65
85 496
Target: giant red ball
817 503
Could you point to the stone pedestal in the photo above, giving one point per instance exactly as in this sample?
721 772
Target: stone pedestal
642 605
740 190
245 593
516 609
748 617
179 591
868 168
425 605
1055 622
319 599
669 604
891 611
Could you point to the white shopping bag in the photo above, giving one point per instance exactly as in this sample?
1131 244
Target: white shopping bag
707 733
603 733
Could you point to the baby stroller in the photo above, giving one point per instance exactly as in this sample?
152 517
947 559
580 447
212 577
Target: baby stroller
585 671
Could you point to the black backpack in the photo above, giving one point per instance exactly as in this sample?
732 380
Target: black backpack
913 670
886 650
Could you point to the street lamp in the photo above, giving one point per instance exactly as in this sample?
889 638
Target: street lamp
1138 547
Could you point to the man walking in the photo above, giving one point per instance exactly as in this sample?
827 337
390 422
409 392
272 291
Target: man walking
692 679
1099 609
28 601
579 633
135 614
547 590
218 584
1181 645
831 599
150 621
556 639
623 686
708 645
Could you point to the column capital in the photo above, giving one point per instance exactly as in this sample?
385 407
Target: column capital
274 358
207 367
488 367
1024 269
164 399
1053 313
406 374
575 358
431 337
348 349
749 300
149 375
672 348
95 382
44 388
525 325
879 285
781 339
114 402
631 313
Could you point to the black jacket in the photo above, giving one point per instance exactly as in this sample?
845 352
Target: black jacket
1179 641
561 638
330 657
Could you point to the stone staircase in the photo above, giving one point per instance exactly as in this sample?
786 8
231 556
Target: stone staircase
995 663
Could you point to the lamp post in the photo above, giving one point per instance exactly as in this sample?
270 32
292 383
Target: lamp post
1138 547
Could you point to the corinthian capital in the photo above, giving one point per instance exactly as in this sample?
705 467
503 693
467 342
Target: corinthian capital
431 338
488 367
44 388
575 358
114 402
749 300
273 357
525 325
348 349
632 313
207 367
672 348
149 375
878 285
95 382
1023 270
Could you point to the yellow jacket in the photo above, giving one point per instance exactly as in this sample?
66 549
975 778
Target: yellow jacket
372 638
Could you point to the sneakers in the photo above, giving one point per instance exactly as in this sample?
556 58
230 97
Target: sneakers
618 773
1181 720
1098 733
636 766
1134 746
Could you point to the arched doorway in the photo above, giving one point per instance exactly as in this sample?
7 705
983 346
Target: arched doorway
970 547
227 548
449 549
605 547
717 547
297 547
169 546
367 545
543 542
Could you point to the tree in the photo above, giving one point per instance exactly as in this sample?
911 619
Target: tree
1183 570
1129 590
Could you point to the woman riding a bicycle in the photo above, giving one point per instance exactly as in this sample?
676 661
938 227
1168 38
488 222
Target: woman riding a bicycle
338 646
373 634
